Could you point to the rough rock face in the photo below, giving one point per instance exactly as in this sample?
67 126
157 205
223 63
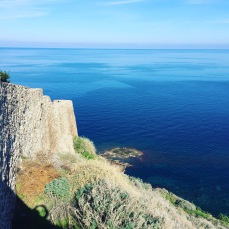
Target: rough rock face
30 123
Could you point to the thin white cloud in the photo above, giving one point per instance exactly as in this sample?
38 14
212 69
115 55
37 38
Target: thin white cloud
13 9
124 2
199 2
17 3
221 21
26 14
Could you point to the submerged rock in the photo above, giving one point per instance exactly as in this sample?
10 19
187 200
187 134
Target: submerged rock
120 156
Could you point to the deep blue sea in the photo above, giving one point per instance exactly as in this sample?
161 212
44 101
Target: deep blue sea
173 105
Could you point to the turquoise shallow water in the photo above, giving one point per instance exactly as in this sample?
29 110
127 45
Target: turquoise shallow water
171 104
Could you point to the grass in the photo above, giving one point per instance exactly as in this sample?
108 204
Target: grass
89 171
88 155
42 211
171 198
191 209
137 182
84 147
224 219
199 213
32 179
66 162
103 204
62 223
82 190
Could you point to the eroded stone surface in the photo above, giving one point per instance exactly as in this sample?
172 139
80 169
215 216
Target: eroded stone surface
120 156
30 123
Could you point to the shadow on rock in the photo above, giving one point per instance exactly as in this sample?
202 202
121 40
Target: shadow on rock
26 218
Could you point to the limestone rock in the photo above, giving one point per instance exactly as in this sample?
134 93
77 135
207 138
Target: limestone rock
30 123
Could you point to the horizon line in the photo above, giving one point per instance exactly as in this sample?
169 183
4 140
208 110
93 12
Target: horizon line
117 48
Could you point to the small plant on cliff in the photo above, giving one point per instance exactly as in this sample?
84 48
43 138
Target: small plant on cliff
137 182
4 76
199 213
224 219
84 147
58 188
103 204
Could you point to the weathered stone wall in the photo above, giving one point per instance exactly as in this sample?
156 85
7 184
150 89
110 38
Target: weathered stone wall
30 123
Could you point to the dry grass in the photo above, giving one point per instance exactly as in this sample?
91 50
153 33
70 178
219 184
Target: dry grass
153 201
106 205
108 181
66 162
90 171
32 179
81 171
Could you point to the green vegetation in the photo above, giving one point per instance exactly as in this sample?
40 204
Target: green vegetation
137 182
189 208
42 211
4 76
62 223
224 219
58 188
199 213
92 193
88 155
74 193
105 205
100 204
171 198
84 147
80 192
21 196
193 210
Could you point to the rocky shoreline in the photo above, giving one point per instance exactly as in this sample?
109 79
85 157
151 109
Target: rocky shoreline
121 156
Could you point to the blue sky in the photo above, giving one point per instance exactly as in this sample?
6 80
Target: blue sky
115 23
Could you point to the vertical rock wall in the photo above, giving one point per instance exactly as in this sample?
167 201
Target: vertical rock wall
30 123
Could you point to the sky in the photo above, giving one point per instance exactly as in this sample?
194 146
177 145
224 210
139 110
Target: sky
115 23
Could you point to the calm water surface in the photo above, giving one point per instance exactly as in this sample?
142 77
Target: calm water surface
171 104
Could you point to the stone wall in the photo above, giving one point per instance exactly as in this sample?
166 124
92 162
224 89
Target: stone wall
30 123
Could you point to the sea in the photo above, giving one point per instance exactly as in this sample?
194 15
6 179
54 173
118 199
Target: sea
173 105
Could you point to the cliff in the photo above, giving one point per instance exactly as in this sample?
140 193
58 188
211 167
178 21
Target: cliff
70 186
30 124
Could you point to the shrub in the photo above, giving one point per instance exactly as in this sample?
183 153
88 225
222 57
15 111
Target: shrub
4 76
137 182
86 189
85 147
94 170
62 224
188 207
60 215
199 213
88 155
59 188
102 204
41 211
171 197
224 219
